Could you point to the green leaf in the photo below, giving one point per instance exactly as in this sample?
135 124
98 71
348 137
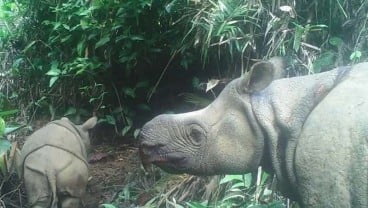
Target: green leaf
276 204
84 24
136 133
257 206
143 107
264 177
29 46
107 206
52 81
70 111
117 110
136 37
5 146
229 178
110 120
56 25
196 83
66 38
2 127
196 204
80 71
129 121
142 84
355 55
129 92
335 41
245 179
80 47
299 31
102 42
83 12
125 130
324 61
9 130
54 70
66 26
8 112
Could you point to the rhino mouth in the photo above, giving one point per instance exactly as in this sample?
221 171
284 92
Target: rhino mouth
170 162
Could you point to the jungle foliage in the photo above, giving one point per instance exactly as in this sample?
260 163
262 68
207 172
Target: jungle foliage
129 60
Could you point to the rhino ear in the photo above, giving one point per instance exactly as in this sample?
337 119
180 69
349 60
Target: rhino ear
64 119
90 123
259 77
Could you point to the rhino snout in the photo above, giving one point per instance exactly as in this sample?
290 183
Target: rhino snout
150 152
160 155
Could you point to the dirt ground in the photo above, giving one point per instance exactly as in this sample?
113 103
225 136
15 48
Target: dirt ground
111 167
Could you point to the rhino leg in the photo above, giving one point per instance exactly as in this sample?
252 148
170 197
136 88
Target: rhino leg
39 187
72 182
71 202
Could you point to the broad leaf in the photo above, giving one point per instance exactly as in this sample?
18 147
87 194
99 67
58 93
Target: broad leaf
102 42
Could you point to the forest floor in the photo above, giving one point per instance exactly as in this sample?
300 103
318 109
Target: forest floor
111 168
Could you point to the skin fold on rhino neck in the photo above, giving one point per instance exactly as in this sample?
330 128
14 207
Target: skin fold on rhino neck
281 110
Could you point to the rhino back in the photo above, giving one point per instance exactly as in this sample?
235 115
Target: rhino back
63 137
331 159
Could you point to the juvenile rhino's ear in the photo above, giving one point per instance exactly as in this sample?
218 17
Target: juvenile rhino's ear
90 123
64 119
259 77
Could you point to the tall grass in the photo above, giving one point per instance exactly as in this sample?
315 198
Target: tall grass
317 35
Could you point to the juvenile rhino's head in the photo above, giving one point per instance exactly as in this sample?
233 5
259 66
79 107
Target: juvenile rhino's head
83 129
223 138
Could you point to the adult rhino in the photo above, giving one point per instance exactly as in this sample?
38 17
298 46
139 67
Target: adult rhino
311 131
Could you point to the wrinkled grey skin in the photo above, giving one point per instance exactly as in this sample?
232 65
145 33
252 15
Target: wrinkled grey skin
53 164
311 131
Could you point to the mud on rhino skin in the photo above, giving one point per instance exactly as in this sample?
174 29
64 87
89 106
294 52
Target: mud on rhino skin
310 131
53 164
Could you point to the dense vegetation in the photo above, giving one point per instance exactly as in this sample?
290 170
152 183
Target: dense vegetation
129 60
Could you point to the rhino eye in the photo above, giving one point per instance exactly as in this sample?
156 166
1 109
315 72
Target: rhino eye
196 133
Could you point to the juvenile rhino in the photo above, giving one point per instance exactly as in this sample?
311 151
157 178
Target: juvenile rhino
311 131
53 164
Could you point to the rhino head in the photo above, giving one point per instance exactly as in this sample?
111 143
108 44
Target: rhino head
83 129
207 141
